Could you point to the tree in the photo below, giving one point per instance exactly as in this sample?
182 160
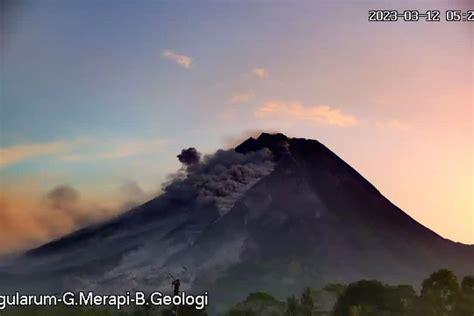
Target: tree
467 285
237 312
336 288
400 299
439 293
186 310
307 302
465 303
361 298
259 303
292 306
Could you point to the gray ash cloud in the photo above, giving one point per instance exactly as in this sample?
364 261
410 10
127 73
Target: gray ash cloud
220 178
63 197
189 156
133 195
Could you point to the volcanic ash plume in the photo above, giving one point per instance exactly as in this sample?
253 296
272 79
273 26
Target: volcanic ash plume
219 178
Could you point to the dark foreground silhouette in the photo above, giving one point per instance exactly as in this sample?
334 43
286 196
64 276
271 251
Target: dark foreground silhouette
441 295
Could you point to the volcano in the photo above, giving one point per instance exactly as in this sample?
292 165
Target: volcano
274 214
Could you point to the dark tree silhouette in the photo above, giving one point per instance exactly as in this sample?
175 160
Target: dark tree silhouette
292 306
439 294
361 298
307 302
465 303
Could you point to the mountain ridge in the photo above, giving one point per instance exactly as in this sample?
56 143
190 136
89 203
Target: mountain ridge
307 218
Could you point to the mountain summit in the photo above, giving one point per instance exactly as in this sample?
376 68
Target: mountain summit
273 214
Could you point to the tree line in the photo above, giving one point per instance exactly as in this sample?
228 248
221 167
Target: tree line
441 295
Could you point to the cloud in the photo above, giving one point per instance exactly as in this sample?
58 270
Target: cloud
261 73
29 217
64 201
219 179
182 60
295 111
117 151
133 195
132 190
393 124
189 156
17 153
131 149
63 197
242 97
84 149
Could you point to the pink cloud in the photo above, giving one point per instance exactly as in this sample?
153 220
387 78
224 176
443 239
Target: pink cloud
393 124
182 60
261 73
295 111
17 153
242 97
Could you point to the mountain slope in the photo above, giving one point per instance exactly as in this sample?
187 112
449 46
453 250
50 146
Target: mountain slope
315 220
294 214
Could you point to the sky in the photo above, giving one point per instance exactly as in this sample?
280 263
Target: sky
98 97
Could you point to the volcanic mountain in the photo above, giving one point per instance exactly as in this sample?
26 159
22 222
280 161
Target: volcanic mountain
274 214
